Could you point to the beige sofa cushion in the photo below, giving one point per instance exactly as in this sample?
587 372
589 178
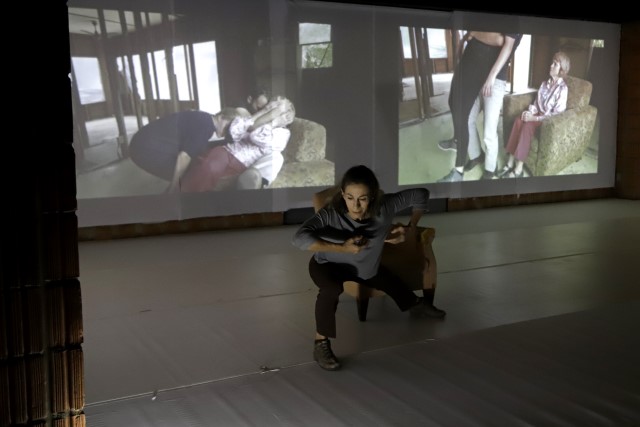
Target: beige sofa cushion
308 141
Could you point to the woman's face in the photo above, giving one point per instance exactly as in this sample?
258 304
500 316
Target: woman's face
258 103
357 199
554 70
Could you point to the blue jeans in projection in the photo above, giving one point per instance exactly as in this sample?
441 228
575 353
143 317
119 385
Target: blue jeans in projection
469 76
491 105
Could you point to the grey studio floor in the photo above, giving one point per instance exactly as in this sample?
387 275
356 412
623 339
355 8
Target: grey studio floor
216 328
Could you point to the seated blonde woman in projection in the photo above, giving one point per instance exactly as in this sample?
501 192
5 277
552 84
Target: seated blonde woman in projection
551 100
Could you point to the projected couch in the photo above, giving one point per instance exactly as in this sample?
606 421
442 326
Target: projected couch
561 139
305 164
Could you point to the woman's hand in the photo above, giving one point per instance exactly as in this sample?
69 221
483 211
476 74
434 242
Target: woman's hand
528 116
396 234
486 88
354 245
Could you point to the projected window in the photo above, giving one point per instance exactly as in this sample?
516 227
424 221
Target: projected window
437 43
316 48
436 37
88 79
207 76
127 82
201 78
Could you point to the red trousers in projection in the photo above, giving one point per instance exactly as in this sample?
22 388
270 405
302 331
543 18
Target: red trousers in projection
204 174
520 139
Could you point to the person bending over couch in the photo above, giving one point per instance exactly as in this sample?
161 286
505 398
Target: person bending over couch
166 147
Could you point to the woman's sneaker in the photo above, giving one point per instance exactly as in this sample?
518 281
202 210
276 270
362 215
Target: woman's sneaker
324 356
453 176
422 309
448 144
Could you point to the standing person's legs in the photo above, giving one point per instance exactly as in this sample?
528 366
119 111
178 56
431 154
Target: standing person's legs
450 144
472 71
460 112
475 150
461 124
492 109
467 98
452 90
474 67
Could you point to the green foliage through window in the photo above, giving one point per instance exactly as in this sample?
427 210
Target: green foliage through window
317 55
316 49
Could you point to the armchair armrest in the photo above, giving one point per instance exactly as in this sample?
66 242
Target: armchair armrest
563 139
512 107
515 104
413 260
307 142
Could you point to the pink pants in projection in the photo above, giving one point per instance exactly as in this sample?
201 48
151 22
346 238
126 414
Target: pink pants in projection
204 174
520 139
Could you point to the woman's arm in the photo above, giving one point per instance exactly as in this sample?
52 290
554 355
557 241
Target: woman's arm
418 200
415 198
278 113
352 245
416 214
560 103
182 163
501 60
322 233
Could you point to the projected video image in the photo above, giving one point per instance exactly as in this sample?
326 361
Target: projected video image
201 108
487 106
184 98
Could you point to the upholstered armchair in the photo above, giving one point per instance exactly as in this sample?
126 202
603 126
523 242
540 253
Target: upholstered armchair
561 139
305 164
